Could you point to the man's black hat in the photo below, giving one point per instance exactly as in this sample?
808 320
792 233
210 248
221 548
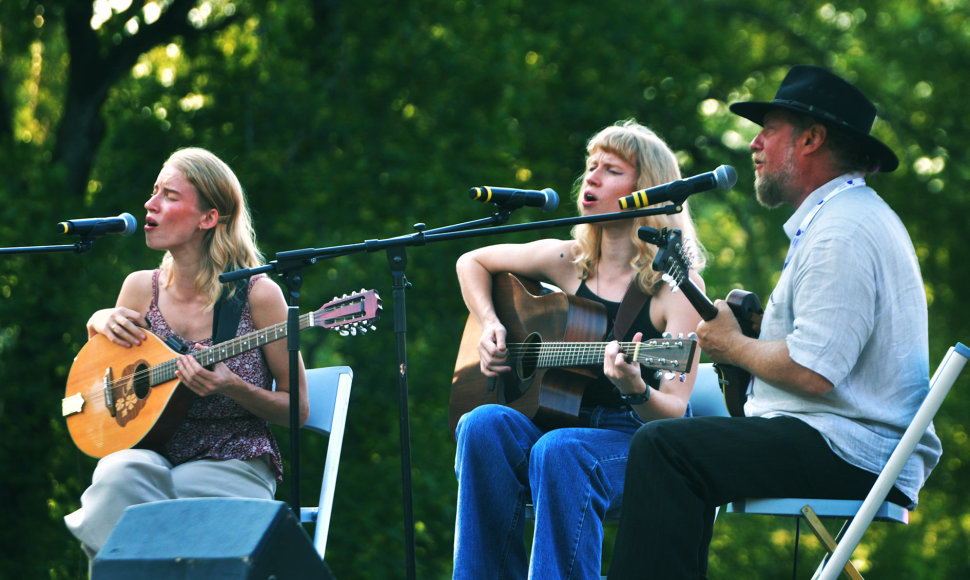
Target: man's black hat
818 92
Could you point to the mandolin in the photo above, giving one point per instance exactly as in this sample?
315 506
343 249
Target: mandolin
118 398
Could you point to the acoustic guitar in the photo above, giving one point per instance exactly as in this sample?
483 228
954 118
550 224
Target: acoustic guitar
118 398
745 306
556 343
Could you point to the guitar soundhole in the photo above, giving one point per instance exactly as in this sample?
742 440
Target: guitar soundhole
529 357
141 383
516 383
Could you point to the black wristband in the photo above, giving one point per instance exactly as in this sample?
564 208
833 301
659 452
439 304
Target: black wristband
636 399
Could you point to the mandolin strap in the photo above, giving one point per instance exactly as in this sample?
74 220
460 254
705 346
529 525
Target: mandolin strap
227 311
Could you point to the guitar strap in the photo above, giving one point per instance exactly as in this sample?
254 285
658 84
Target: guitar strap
227 311
630 307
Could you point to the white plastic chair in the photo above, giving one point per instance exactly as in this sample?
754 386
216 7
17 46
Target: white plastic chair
860 514
328 389
707 400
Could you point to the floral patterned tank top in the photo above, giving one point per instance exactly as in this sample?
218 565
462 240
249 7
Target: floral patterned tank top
216 427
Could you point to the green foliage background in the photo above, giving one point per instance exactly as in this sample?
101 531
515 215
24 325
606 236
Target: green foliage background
353 121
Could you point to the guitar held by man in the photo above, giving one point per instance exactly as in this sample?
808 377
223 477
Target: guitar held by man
745 306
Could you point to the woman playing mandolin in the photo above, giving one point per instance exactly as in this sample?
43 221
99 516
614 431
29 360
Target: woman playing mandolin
573 475
197 214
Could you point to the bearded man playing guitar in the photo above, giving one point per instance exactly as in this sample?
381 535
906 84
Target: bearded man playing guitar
835 385
223 446
571 475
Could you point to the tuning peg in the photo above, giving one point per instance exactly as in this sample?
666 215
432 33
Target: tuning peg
683 377
692 336
343 332
666 335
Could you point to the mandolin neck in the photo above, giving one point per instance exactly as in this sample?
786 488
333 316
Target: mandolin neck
164 372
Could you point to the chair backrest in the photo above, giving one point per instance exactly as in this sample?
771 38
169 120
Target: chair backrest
944 377
706 400
328 389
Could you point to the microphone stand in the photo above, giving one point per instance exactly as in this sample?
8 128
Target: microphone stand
82 246
291 271
293 261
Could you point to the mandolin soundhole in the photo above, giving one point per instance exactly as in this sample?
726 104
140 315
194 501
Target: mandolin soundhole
141 382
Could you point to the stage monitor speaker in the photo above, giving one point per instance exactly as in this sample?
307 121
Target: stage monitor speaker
211 539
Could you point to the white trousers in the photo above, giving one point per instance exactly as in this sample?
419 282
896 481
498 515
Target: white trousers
135 476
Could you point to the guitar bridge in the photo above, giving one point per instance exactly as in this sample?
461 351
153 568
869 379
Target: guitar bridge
109 399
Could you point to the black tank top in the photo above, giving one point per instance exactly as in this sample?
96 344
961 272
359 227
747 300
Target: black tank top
600 392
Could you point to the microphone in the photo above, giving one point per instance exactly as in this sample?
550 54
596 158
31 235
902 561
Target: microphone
724 177
125 224
508 198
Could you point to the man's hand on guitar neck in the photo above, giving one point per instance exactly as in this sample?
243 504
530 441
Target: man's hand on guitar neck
721 338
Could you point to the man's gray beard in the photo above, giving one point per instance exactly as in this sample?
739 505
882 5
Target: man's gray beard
773 190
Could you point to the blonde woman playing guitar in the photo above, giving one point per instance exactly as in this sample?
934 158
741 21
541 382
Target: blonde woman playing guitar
571 475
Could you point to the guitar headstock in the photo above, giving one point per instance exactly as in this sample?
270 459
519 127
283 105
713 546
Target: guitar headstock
668 353
350 314
671 258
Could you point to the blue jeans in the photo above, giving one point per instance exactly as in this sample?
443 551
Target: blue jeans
572 476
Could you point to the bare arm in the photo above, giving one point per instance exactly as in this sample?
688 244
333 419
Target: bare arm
549 260
123 324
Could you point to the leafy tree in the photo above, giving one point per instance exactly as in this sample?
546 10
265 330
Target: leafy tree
351 122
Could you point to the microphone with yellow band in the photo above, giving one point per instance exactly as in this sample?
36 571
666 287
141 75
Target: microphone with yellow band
508 198
724 177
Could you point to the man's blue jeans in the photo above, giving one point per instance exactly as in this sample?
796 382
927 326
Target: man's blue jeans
572 476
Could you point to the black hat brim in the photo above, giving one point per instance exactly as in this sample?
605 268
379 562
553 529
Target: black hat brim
755 112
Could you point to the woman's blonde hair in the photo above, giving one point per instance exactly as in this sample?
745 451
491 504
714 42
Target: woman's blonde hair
231 244
656 164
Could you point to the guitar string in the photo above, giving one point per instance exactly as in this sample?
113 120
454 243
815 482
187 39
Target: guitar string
546 351
566 346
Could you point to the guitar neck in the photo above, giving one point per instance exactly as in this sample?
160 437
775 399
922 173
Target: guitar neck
673 355
701 303
164 372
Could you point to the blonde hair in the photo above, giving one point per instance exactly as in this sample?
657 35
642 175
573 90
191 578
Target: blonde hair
655 164
231 244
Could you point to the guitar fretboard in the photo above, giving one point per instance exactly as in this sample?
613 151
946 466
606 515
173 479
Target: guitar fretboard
668 354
